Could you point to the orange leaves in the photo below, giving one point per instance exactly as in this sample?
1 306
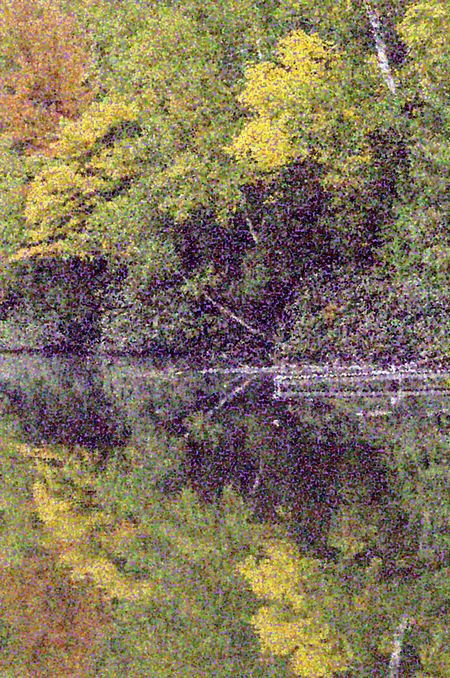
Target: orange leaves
45 71
56 626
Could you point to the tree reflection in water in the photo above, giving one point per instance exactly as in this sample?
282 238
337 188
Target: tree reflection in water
351 490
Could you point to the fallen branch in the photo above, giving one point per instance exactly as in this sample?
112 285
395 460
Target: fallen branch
252 230
226 311
227 398
258 477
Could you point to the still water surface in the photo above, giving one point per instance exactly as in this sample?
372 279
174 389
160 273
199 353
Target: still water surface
296 457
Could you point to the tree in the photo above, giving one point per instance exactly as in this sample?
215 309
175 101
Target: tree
165 563
46 72
47 623
53 625
292 623
92 161
419 238
342 617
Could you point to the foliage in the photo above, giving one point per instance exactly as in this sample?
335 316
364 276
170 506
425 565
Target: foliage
18 534
167 176
331 619
12 203
93 158
292 622
365 317
197 627
53 625
419 454
380 162
72 525
303 107
419 239
167 562
47 623
46 72
54 303
424 30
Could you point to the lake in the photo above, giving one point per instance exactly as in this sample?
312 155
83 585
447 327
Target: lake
349 464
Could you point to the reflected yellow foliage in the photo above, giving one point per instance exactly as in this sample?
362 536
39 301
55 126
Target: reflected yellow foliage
292 625
77 530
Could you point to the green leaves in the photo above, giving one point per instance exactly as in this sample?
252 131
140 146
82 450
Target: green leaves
425 29
18 535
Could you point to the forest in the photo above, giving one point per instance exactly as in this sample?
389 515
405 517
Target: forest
206 184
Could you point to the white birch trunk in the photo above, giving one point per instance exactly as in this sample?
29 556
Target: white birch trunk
380 46
394 663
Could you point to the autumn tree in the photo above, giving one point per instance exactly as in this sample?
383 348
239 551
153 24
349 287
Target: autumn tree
93 159
163 561
314 139
53 625
46 73
342 618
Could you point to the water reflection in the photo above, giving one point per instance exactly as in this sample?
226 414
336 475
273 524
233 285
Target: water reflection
213 428
62 400
354 481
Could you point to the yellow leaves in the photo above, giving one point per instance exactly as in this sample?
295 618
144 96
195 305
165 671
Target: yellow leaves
274 578
45 453
51 196
313 101
79 136
304 60
61 518
277 637
265 142
318 656
269 85
82 537
105 575
292 624
293 102
314 651
305 54
426 30
118 162
59 248
421 21
63 194
350 113
73 533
